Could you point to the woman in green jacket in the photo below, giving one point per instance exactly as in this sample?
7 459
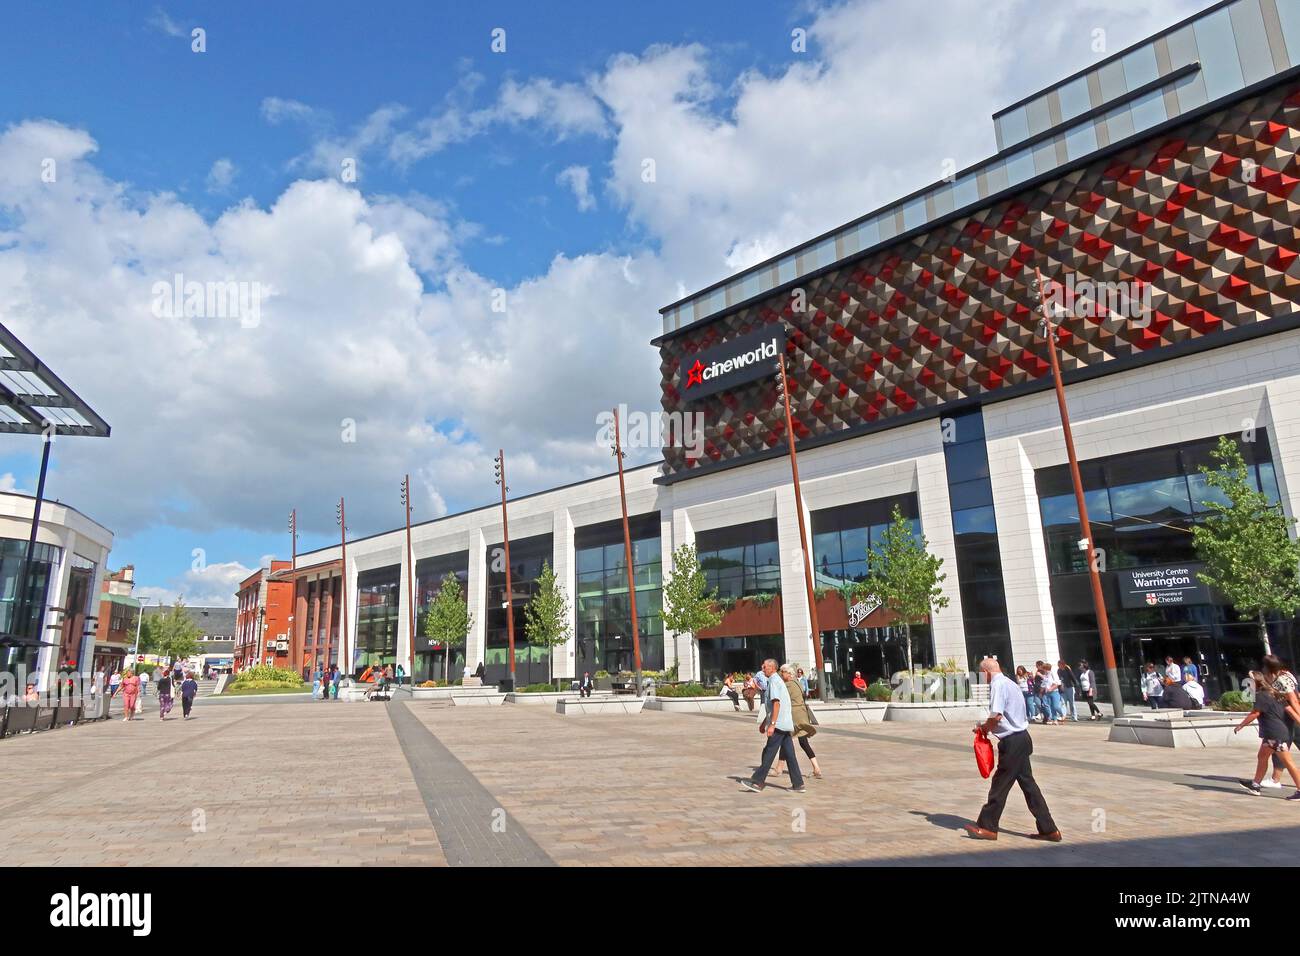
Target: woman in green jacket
803 722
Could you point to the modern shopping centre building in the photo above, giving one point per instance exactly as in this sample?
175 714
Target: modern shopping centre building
1155 191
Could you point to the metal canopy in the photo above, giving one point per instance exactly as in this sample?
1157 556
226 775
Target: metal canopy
32 397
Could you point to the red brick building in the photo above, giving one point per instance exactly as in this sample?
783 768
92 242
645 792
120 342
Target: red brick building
115 628
264 618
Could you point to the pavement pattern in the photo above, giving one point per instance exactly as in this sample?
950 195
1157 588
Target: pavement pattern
418 783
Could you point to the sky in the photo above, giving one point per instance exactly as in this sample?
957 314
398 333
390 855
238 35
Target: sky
437 227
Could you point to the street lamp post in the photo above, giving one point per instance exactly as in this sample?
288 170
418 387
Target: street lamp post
627 556
823 679
340 515
1085 543
505 535
293 539
410 582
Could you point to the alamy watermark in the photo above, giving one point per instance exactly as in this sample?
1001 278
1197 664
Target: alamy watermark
191 299
1128 301
653 429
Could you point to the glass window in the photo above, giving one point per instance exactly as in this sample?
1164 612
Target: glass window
966 461
1081 140
1218 49
1148 110
1253 53
1074 99
973 521
1020 167
1038 115
1140 66
914 213
1014 126
868 234
970 494
966 191
1289 14
1119 123
1111 78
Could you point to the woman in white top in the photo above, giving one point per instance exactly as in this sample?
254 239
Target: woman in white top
1088 687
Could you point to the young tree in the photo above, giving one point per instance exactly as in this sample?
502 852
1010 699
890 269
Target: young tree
904 576
448 620
688 603
171 634
546 616
1245 543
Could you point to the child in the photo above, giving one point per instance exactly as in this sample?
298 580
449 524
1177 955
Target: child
1276 720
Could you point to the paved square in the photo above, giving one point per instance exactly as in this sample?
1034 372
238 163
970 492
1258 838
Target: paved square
416 783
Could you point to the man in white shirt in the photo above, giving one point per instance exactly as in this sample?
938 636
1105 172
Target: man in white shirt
778 727
1173 671
1010 725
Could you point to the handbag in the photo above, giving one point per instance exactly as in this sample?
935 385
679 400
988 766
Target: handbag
983 752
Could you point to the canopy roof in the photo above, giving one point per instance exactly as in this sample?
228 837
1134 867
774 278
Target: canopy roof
32 397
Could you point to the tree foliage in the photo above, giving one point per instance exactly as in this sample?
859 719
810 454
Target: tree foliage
171 633
904 576
1245 542
448 620
689 606
546 616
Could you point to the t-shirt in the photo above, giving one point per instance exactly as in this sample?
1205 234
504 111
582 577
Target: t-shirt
190 687
1273 722
1085 681
164 686
1005 699
1174 672
1191 672
778 693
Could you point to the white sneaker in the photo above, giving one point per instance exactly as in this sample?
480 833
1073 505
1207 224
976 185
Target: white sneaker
1270 784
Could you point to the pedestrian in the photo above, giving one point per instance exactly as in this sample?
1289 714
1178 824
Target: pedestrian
1069 689
1283 683
401 675
189 690
729 690
334 683
1026 690
144 684
1196 691
1088 688
1190 671
586 685
802 678
804 727
1172 671
1153 688
315 685
164 694
1055 708
97 684
1009 723
859 683
131 693
114 683
388 677
749 691
778 727
1277 722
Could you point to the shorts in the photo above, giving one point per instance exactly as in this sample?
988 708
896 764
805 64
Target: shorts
1278 746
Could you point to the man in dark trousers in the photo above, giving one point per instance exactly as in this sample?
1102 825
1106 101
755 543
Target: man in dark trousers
1010 725
586 685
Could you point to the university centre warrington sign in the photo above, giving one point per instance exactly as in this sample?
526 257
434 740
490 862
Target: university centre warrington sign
1162 586
735 362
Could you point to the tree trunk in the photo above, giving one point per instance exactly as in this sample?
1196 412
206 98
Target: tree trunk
447 664
907 639
1263 633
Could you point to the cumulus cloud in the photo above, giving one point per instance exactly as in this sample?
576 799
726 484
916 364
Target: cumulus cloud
221 176
578 179
215 585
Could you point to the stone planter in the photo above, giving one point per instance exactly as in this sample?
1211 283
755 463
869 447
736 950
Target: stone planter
548 699
492 699
1196 729
840 712
694 705
599 706
935 711
447 693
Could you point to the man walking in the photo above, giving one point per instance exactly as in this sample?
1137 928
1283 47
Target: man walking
778 727
1009 724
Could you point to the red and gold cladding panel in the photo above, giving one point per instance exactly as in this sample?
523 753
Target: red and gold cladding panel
1204 215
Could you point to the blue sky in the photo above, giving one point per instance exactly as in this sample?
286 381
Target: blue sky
479 171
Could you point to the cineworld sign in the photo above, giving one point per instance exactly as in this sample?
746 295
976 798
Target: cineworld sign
735 362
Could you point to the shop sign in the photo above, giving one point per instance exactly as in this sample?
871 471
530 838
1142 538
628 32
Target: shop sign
743 359
1162 586
859 611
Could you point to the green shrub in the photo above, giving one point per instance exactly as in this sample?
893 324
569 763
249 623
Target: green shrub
684 690
602 673
538 689
267 673
268 686
878 691
1234 700
763 599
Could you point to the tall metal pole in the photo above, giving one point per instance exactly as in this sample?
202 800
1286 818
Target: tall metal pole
410 582
1094 576
823 680
293 539
505 533
627 556
20 614
345 647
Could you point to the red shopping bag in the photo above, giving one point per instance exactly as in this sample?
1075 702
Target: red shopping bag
983 752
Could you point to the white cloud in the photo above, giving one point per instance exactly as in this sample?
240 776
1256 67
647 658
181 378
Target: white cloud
221 176
215 586
159 20
578 179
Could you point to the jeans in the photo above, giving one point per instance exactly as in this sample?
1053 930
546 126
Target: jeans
1031 705
1053 705
1067 696
1154 702
780 741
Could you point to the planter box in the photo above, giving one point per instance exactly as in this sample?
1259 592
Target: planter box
480 699
839 712
935 711
447 693
550 698
1196 729
694 705
599 706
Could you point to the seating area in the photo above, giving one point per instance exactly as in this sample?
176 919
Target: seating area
34 718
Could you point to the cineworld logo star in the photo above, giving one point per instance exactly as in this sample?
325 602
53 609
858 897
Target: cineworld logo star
76 909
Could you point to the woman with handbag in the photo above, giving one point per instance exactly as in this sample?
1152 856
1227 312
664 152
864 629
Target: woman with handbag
803 720
130 694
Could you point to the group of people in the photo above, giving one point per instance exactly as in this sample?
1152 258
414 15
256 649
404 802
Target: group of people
1276 713
785 719
1177 686
325 683
1051 693
169 682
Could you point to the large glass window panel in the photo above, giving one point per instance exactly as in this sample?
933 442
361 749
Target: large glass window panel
1014 126
1119 123
1140 66
966 191
966 462
1020 167
1253 53
1111 79
855 542
1038 115
970 494
1148 110
1289 14
1074 99
914 213
826 548
1081 140
974 521
1217 45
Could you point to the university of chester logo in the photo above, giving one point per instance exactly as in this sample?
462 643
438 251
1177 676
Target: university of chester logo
695 374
